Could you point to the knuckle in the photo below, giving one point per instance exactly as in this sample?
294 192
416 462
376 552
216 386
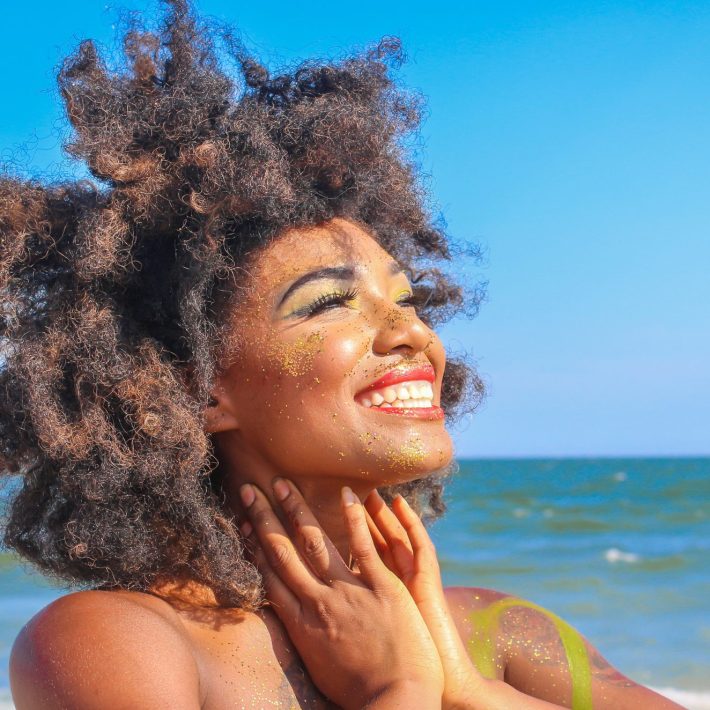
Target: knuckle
314 545
363 552
322 612
325 620
281 555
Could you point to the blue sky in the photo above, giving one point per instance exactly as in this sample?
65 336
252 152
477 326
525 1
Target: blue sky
570 140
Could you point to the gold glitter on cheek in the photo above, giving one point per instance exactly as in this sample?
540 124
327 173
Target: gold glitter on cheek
297 358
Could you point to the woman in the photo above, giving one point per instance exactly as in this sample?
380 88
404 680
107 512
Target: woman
212 354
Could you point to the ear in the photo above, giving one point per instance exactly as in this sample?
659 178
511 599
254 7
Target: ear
220 413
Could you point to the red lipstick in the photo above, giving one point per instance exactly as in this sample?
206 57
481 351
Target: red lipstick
393 377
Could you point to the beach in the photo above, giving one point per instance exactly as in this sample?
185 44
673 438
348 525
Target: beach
617 547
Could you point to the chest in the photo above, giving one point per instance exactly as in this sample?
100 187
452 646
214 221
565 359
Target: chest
251 664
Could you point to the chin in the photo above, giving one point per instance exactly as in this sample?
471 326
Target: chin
409 461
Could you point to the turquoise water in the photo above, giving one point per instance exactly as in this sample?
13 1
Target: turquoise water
620 548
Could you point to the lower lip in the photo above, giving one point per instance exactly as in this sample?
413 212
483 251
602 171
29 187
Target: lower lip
415 412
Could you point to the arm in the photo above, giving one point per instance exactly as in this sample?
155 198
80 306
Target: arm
499 652
100 650
546 657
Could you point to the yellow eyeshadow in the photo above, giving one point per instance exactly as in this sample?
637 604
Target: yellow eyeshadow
306 296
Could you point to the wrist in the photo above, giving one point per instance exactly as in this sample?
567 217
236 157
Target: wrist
468 692
406 694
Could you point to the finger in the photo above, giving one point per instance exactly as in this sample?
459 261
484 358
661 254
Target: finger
381 544
394 534
422 546
282 556
362 546
281 597
315 546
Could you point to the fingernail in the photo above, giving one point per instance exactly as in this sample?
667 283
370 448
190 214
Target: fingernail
246 528
281 488
247 494
349 497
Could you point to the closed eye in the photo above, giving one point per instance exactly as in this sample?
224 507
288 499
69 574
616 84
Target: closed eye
328 301
407 299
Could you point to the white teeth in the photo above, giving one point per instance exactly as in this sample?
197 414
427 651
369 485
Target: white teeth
407 394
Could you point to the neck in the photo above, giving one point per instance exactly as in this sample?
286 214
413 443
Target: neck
322 493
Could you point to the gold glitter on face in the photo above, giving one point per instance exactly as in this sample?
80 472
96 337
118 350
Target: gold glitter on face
296 359
368 438
326 316
409 455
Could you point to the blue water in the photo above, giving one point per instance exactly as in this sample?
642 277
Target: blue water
619 548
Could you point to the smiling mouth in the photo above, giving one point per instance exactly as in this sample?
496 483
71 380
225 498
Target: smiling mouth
414 398
414 394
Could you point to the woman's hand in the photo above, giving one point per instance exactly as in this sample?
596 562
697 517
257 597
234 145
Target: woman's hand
406 548
360 635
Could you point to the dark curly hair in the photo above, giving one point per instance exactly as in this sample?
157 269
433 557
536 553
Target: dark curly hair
114 289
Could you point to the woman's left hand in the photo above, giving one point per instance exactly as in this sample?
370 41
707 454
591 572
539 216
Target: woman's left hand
406 548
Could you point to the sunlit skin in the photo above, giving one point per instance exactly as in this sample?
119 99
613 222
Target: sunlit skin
285 405
287 402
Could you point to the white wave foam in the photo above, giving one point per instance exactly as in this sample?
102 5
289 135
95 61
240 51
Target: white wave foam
691 699
614 555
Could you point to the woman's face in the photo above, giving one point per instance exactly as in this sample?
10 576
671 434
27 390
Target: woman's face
324 318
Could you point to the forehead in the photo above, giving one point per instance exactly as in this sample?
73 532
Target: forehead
299 251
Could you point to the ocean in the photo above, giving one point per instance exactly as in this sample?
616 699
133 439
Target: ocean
620 548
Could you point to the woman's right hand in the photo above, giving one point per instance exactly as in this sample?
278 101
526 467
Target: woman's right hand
360 634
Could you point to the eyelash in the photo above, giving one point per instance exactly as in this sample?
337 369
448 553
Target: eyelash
336 298
408 300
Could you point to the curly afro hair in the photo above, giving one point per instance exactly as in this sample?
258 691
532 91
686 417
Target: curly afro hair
114 289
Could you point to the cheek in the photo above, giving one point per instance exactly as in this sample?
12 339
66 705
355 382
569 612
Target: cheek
306 376
322 360
294 358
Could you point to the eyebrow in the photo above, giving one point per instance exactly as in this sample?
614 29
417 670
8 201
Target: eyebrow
342 273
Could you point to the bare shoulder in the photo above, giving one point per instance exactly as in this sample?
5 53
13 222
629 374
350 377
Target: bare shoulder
104 649
540 654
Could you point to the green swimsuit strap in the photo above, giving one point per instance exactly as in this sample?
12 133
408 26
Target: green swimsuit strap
482 649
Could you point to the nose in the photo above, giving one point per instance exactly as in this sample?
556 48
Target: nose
399 330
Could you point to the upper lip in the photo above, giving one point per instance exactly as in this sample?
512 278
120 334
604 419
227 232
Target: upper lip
400 374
